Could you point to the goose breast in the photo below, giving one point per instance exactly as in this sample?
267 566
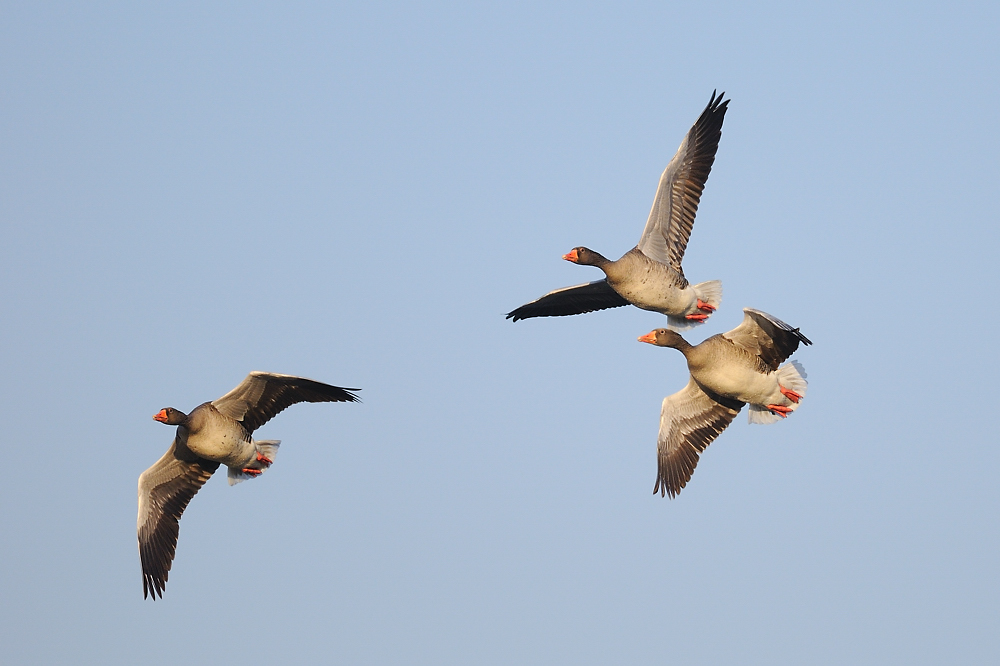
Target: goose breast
215 436
738 381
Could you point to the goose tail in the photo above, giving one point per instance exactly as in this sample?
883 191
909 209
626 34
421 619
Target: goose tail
267 450
792 377
708 297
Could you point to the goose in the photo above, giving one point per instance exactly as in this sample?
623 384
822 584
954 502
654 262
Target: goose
649 275
728 370
214 433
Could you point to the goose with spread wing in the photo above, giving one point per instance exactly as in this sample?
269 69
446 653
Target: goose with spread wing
214 433
649 275
728 371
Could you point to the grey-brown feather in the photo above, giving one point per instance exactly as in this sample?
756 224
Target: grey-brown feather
262 396
691 419
165 490
766 337
671 219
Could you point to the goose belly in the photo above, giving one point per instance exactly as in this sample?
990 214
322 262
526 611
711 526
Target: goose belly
740 383
655 291
230 447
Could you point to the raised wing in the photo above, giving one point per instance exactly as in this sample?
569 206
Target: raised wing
668 228
263 395
767 337
164 492
582 298
690 420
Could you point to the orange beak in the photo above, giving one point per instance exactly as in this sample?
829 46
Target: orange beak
160 416
649 337
571 256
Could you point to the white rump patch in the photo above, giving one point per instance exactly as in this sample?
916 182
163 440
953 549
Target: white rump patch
761 414
237 476
268 448
710 292
680 324
793 377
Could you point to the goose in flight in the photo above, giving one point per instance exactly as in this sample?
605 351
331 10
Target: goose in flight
728 370
214 433
649 275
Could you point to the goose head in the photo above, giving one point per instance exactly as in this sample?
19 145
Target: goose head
170 416
585 257
664 337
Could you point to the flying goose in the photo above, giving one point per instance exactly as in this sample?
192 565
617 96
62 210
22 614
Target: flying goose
649 275
727 371
214 433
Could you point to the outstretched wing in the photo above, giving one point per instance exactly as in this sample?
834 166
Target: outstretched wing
164 492
582 298
767 337
690 420
263 395
668 228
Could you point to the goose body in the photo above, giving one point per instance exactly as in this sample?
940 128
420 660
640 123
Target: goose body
650 275
214 433
650 285
729 370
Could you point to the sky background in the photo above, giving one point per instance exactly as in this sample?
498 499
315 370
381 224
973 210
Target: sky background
359 194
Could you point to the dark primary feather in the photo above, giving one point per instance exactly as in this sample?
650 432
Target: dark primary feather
262 396
692 176
767 336
168 486
582 298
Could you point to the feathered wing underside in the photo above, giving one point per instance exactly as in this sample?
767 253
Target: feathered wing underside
263 395
597 295
690 420
164 492
767 337
675 205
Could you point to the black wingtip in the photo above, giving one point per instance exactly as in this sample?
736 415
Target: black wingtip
151 588
662 488
344 395
716 103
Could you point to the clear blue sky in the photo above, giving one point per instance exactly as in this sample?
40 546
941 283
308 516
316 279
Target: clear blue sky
188 193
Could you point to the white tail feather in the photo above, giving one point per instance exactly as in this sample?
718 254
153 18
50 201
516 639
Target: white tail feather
792 376
710 292
761 414
267 448
680 324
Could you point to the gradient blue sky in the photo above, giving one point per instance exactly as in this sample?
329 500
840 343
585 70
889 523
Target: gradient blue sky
358 195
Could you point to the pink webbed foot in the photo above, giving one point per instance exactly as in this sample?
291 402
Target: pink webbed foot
705 307
780 410
790 394
696 317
